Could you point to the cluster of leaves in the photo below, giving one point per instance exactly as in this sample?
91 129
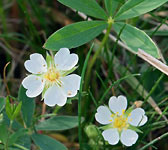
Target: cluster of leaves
15 135
77 34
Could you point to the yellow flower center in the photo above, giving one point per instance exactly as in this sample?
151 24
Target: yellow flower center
120 121
52 75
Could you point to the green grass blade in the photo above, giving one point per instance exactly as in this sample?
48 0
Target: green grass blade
80 96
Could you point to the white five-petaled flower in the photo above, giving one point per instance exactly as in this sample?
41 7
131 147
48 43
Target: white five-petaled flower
120 124
50 78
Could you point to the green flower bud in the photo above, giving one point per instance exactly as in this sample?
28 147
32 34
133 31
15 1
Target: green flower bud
92 131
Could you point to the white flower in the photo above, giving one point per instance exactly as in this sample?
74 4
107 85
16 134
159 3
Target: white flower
49 77
120 124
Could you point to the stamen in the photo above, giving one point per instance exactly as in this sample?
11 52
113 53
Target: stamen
112 115
52 75
69 93
120 122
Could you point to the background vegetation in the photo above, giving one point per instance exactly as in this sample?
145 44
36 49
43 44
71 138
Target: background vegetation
24 27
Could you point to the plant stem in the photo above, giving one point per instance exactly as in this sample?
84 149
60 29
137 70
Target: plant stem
154 141
5 82
80 97
10 127
92 61
154 87
43 111
57 108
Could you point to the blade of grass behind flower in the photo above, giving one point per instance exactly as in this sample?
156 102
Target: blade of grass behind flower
80 96
31 26
3 17
135 84
154 141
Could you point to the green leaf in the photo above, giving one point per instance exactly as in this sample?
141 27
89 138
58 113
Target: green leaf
9 108
17 110
133 8
135 39
111 6
15 125
24 141
28 106
65 73
2 146
135 129
89 7
2 103
14 137
3 132
46 143
58 123
75 35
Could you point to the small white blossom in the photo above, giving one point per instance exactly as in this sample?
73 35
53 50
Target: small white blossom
50 78
120 124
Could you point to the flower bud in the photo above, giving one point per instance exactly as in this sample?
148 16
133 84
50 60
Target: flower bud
91 131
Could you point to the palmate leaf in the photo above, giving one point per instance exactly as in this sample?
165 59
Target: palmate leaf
136 39
46 143
111 6
75 35
89 7
133 8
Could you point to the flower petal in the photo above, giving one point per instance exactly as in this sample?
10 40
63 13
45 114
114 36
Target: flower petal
64 60
143 121
136 117
34 85
111 135
103 115
128 137
36 64
71 84
55 95
118 104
